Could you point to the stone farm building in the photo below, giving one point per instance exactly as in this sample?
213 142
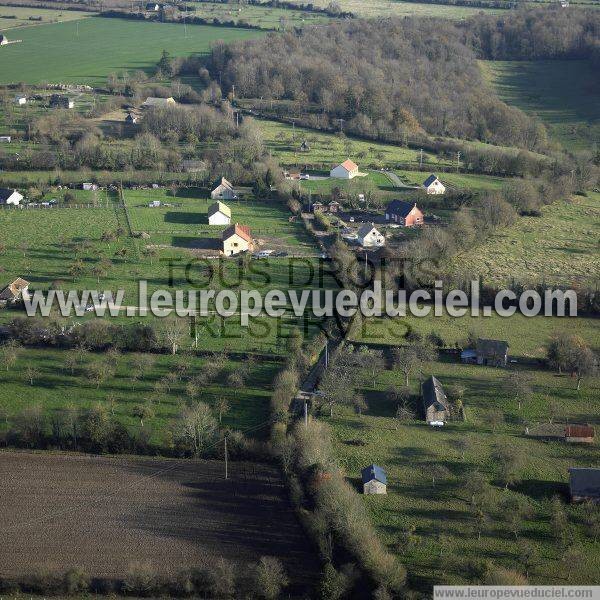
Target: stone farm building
403 213
236 239
584 484
493 353
370 237
347 170
374 480
219 214
10 197
223 190
435 403
433 185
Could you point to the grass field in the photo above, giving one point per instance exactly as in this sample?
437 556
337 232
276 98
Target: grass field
87 51
329 149
19 16
54 386
171 514
387 8
264 17
534 332
431 526
560 247
565 95
455 181
184 224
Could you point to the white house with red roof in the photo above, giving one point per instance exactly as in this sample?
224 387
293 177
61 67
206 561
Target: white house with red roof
347 170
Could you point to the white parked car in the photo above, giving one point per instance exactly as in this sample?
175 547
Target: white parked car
263 253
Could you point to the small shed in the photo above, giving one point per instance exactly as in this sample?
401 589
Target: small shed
584 484
5 138
579 434
433 185
468 356
374 480
20 100
89 187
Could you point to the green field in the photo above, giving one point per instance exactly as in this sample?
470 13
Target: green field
453 181
264 17
564 94
87 51
431 526
54 386
18 16
560 247
534 332
387 8
185 223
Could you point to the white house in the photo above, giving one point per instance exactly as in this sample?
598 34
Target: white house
219 214
433 185
8 196
14 291
5 138
223 190
236 239
374 480
347 170
369 237
20 100
89 187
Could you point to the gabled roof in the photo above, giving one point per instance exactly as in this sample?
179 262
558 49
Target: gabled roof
349 165
400 207
492 347
433 393
373 472
219 207
584 481
580 431
430 180
242 230
14 289
223 182
6 193
365 229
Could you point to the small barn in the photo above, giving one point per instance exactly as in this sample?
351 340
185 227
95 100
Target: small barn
436 407
236 239
374 480
89 187
579 434
223 190
433 185
493 353
219 214
15 291
20 100
584 484
404 213
370 237
10 197
347 170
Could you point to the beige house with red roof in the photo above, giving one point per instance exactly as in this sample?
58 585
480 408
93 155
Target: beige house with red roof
347 170
15 291
236 239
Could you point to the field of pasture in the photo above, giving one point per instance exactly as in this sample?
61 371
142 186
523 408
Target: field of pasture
88 50
563 94
19 16
427 518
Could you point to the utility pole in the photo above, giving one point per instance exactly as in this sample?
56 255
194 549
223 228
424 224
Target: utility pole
421 159
305 414
225 457
326 353
457 161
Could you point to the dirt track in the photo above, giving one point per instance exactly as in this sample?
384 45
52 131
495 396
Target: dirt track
102 513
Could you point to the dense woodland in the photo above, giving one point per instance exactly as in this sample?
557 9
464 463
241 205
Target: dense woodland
389 77
534 34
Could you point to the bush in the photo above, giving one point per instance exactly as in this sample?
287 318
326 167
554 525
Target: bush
76 581
140 579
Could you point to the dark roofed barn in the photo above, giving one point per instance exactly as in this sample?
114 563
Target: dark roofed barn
584 484
493 353
435 403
